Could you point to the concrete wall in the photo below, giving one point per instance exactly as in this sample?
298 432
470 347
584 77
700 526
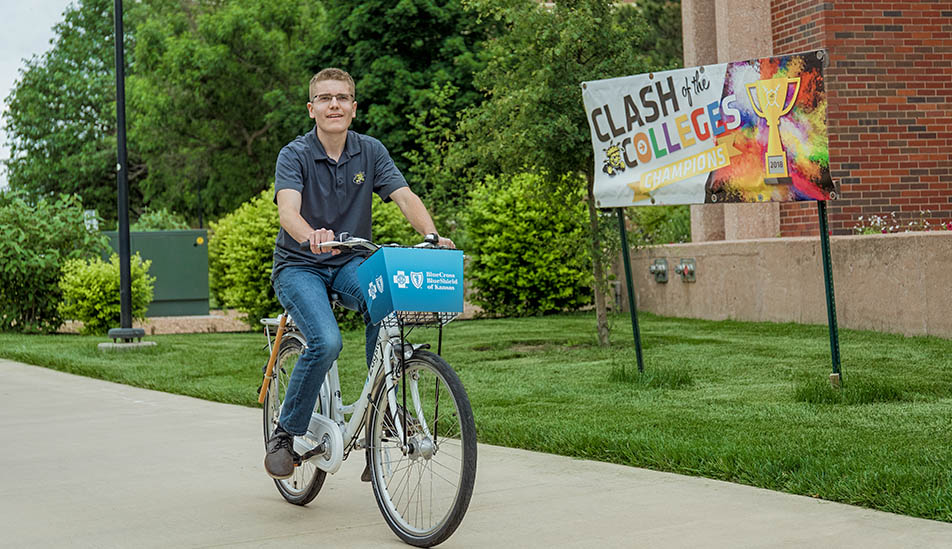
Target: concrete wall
900 283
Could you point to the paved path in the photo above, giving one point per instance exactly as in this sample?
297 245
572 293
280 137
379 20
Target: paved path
87 463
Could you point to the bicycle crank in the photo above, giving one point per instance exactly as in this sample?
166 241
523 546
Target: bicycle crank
323 444
318 450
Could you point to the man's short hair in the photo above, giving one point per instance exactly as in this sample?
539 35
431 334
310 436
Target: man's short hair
330 73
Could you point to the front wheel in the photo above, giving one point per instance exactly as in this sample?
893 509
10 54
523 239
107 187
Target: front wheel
423 484
306 481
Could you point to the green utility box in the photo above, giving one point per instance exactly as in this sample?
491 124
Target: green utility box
179 265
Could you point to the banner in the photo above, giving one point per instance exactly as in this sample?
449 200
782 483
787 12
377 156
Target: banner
751 131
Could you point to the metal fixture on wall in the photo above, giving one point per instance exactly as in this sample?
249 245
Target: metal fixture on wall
687 269
660 270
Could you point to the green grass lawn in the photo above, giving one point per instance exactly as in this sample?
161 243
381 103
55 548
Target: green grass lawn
743 402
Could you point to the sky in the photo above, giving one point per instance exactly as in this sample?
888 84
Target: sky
26 28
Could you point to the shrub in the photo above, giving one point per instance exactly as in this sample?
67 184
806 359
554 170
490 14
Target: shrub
240 255
39 236
91 291
659 225
390 225
528 250
159 220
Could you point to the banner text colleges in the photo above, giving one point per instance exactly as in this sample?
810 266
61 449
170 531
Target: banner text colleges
657 140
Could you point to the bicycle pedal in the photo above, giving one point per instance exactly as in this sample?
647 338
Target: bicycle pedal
320 449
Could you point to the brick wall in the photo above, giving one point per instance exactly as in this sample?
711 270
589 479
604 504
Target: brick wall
889 85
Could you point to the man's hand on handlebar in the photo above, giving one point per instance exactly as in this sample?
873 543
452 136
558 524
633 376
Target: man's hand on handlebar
328 242
322 241
318 237
434 240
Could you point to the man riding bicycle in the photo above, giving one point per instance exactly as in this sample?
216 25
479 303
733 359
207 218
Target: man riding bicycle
323 183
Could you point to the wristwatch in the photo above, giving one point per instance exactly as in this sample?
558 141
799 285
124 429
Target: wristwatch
432 238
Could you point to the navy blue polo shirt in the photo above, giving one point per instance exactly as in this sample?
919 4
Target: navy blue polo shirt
334 195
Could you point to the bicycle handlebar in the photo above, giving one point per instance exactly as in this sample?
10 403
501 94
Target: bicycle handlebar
355 242
345 241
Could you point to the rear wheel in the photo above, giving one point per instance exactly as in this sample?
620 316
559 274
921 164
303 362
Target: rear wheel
423 487
306 481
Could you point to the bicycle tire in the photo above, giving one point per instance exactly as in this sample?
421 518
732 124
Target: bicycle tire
444 441
307 480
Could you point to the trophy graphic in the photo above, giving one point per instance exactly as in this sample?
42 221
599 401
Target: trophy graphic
771 105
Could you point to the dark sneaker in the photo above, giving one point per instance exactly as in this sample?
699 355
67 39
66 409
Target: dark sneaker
279 461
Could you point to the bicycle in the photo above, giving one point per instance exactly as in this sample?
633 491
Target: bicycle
421 452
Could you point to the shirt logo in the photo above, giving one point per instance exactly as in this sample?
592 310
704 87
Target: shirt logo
359 178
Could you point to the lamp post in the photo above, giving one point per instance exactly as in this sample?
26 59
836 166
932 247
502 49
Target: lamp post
125 332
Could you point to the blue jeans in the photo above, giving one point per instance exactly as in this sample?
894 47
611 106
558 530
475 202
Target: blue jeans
304 292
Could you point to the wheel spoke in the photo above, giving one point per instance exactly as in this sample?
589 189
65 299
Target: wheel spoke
403 485
455 471
441 477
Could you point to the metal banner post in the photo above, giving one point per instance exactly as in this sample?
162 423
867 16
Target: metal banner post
836 376
633 311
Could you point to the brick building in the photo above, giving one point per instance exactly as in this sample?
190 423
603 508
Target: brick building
889 84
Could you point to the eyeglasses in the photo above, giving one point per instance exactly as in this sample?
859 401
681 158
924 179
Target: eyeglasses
326 98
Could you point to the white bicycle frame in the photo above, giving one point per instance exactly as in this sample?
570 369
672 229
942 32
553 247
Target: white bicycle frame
331 426
415 508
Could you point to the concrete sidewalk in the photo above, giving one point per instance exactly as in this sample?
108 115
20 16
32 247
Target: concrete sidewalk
88 463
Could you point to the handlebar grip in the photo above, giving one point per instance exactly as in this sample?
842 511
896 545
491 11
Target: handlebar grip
341 238
344 242
328 246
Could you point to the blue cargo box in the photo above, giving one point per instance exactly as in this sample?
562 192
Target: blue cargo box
414 280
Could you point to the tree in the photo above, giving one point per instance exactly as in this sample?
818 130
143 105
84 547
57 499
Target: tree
432 130
221 86
533 114
403 56
61 121
663 44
